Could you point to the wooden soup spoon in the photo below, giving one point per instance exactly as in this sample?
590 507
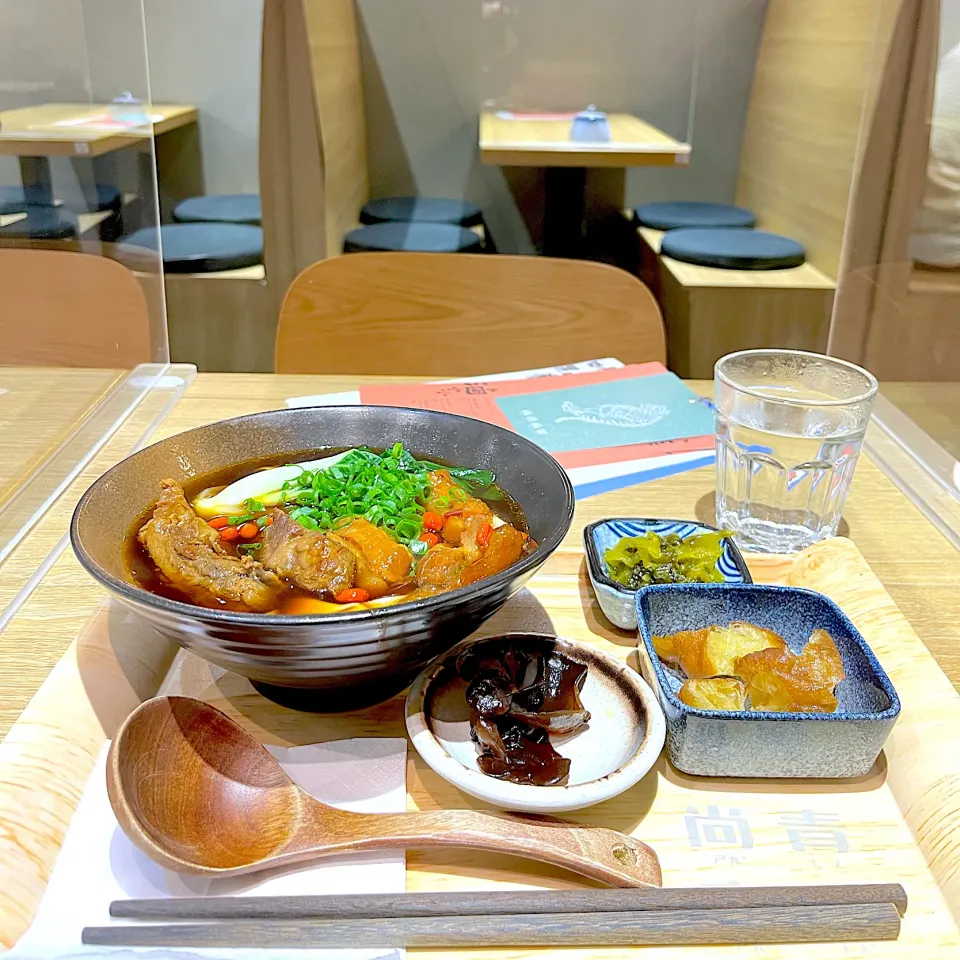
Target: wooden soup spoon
197 794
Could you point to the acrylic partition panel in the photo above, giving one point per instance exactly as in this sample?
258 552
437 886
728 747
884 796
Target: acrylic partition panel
83 340
588 109
897 309
221 315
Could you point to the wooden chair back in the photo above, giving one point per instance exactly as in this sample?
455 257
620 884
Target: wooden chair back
458 315
69 309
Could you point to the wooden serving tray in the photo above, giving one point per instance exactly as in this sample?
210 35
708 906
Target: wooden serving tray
900 823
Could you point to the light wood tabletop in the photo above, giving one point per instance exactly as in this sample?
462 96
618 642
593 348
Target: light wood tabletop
31 426
82 129
114 666
525 142
915 563
933 407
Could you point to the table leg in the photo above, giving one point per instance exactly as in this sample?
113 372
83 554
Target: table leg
37 179
179 167
563 211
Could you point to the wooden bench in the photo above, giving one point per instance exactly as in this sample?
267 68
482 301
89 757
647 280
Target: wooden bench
816 69
709 312
223 321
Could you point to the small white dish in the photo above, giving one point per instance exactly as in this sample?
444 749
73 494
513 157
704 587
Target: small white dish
614 751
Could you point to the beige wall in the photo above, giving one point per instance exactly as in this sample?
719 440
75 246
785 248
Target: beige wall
430 64
42 58
205 52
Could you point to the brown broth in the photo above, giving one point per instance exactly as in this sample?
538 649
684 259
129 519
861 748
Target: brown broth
143 572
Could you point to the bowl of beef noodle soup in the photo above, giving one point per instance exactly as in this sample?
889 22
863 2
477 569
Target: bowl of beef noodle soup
326 553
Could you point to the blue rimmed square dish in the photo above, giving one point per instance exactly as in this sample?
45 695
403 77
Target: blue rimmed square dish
619 602
718 743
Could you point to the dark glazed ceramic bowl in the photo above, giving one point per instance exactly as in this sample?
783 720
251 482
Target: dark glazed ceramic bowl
337 661
752 743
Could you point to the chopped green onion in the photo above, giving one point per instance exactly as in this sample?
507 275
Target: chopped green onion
262 521
252 506
236 521
388 489
248 547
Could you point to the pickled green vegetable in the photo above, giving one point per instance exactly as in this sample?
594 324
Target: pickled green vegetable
640 561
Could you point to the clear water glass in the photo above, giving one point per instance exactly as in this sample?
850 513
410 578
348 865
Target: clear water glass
789 430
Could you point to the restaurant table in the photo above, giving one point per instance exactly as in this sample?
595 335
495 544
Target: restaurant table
39 408
77 130
917 565
534 142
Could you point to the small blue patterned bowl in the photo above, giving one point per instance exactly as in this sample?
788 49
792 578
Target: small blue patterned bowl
619 602
720 743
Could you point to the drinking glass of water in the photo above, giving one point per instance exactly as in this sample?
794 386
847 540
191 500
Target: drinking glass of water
789 429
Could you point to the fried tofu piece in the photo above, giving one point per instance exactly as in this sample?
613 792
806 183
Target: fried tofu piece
714 693
779 680
714 651
821 661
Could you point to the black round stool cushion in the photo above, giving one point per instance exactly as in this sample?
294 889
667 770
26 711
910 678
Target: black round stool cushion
43 223
733 249
421 210
677 215
16 199
419 237
221 208
197 247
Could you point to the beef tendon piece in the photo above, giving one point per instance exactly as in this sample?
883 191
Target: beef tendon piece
714 693
190 556
383 564
519 753
552 701
309 559
444 493
440 569
505 548
714 651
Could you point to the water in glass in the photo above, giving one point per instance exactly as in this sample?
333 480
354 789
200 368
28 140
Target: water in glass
789 430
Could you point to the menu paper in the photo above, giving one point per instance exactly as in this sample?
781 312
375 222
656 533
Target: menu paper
655 425
583 419
98 864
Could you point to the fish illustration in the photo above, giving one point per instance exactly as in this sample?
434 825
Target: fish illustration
615 414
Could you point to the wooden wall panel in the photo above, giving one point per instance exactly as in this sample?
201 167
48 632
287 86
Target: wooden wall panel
331 27
816 63
313 160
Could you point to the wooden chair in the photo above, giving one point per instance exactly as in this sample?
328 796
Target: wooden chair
71 309
437 315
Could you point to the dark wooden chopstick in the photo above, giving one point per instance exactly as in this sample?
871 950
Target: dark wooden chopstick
373 906
755 925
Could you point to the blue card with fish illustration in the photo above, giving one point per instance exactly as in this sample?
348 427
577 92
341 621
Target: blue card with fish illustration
647 409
